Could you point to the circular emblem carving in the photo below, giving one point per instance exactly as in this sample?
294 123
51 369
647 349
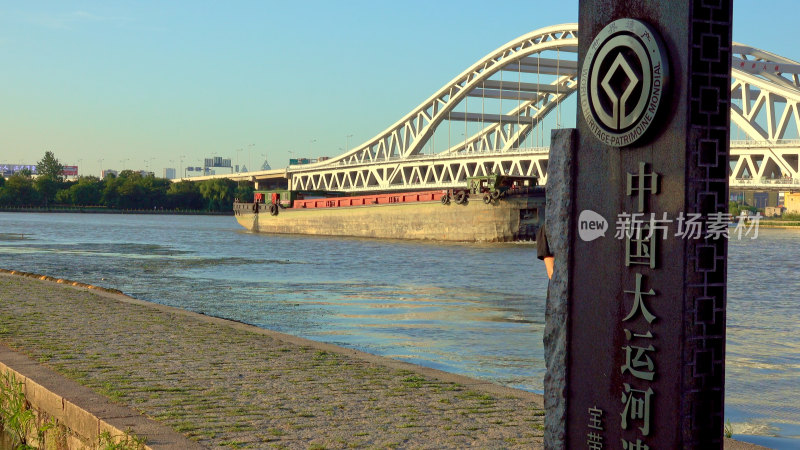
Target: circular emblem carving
622 81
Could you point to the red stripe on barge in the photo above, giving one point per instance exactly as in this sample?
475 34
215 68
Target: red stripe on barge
364 200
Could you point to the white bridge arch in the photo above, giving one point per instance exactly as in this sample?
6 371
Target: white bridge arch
519 86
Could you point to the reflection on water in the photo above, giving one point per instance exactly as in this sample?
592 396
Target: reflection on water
476 310
763 336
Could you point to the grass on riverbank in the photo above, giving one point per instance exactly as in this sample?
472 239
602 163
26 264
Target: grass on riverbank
787 220
16 418
20 423
779 224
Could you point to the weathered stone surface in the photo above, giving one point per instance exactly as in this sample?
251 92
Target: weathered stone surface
227 384
44 399
670 360
81 421
559 225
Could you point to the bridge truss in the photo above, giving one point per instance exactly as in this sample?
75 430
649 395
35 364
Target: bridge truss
495 117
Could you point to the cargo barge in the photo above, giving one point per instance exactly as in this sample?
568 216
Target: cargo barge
494 208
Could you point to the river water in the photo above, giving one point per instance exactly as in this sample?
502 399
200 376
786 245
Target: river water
472 309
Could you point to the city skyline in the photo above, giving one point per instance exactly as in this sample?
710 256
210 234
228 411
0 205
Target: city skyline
146 85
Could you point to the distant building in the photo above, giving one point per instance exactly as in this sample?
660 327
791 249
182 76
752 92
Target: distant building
70 171
169 173
108 172
7 170
792 203
217 161
758 199
773 211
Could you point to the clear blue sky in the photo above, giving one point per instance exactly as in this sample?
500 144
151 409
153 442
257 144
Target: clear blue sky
141 83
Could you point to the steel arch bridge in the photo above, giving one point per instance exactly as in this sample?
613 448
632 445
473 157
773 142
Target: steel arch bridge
498 110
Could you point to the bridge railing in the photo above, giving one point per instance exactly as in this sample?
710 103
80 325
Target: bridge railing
752 143
424 157
787 182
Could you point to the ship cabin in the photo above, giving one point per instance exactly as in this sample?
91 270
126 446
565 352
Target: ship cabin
500 183
286 197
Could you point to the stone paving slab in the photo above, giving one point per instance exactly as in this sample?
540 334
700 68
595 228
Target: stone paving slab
227 384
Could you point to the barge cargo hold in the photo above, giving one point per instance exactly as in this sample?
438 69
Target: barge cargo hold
447 215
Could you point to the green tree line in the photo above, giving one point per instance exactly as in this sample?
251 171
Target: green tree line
128 190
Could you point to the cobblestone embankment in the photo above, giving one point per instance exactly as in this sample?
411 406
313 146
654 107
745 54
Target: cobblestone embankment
226 384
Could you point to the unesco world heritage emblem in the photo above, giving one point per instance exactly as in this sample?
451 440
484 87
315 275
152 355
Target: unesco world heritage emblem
622 81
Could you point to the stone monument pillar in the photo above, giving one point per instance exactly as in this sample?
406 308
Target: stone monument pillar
559 223
646 330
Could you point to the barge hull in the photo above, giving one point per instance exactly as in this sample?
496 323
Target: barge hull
509 219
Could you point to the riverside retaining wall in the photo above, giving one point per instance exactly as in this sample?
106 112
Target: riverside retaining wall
81 417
